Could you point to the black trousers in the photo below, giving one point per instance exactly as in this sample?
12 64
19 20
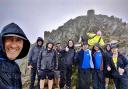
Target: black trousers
84 78
65 76
33 77
121 82
98 79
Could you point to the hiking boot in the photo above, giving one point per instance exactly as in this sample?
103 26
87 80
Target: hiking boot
67 87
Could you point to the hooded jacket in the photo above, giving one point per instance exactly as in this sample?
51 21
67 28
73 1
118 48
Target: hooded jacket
1 52
10 75
122 62
107 54
46 59
34 52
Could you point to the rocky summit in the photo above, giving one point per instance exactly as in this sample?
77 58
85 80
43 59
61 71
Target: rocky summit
112 28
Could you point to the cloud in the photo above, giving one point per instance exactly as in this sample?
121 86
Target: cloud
37 16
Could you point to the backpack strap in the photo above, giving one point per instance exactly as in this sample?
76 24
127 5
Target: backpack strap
99 39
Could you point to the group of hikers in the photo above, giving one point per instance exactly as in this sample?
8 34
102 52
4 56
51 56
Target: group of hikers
54 63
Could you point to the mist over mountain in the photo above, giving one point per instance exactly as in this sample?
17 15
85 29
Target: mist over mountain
113 28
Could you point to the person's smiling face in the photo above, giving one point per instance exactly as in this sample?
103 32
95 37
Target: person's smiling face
39 43
70 43
85 47
114 50
13 46
96 48
108 47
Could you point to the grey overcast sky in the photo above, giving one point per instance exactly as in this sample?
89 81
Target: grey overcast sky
37 16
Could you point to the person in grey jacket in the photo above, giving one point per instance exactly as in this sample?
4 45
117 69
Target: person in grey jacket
46 65
32 60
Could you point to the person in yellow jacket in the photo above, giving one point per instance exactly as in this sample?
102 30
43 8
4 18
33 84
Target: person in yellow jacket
95 38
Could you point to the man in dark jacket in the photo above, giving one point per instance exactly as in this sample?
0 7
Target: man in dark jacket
46 65
57 64
118 67
68 55
15 45
32 60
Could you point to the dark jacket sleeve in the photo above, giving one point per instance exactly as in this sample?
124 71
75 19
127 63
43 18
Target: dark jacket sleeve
39 60
30 56
105 60
111 64
76 58
124 62
55 60
2 84
10 75
63 52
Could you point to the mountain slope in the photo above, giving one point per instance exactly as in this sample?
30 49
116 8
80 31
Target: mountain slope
111 27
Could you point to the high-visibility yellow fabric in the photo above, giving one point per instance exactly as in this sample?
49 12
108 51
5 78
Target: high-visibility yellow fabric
115 60
90 34
95 39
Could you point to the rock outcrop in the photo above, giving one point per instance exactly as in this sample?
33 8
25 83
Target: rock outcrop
111 27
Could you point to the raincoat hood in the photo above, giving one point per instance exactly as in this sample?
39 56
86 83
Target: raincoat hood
48 44
13 29
40 39
1 51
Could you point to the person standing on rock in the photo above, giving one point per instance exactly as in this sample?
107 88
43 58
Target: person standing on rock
68 55
46 65
95 38
15 45
32 61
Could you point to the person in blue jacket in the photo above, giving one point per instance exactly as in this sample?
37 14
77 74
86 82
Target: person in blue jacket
15 45
84 61
98 72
